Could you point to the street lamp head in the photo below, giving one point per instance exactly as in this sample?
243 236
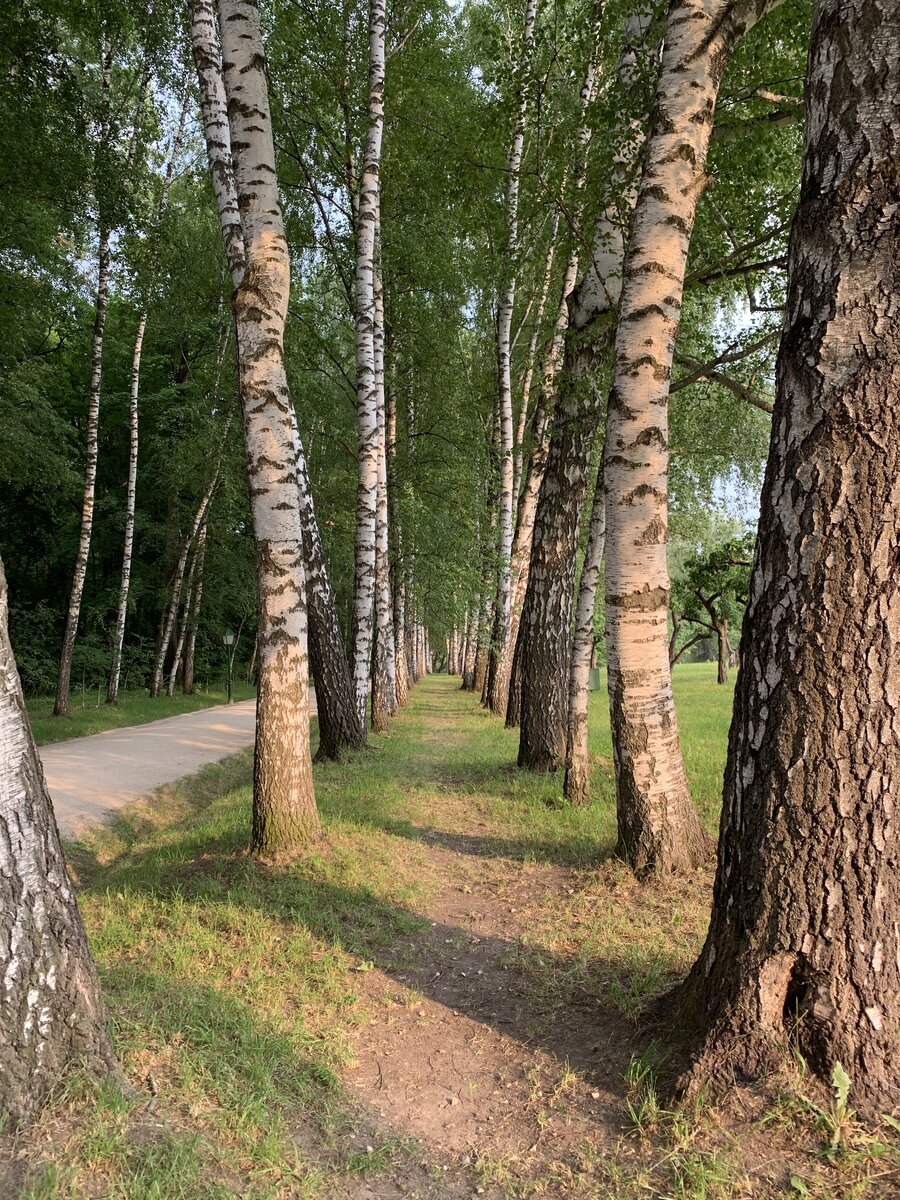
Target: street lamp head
228 638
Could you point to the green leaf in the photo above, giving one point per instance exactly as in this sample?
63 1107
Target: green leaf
841 1083
799 1185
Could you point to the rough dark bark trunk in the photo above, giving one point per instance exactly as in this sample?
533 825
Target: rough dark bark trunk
803 941
52 1015
339 726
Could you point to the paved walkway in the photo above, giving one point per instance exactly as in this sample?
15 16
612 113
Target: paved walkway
90 777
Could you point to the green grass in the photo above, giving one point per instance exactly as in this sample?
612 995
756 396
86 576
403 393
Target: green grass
234 988
704 716
90 714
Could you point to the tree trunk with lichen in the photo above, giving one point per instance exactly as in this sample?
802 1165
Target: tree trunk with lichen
52 1016
659 829
804 942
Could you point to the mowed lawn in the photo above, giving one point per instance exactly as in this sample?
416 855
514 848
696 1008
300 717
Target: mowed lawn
241 993
90 713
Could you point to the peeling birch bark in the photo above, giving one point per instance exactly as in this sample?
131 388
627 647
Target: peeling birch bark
659 829
285 818
51 1016
803 945
367 223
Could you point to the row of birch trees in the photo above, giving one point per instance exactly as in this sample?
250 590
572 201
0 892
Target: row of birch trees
602 249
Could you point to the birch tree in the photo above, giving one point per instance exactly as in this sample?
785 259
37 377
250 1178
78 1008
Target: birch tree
803 939
101 304
577 787
340 727
112 692
367 224
384 670
241 152
659 829
581 335
52 1017
505 305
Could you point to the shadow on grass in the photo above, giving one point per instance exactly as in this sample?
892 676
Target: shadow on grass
580 1010
578 851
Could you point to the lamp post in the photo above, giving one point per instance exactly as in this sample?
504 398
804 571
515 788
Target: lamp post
228 642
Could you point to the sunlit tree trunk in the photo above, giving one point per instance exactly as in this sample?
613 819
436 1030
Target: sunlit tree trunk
367 226
52 1016
339 726
101 303
505 305
577 786
659 830
803 944
284 806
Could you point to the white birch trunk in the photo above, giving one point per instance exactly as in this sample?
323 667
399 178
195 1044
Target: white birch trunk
52 1014
659 829
384 673
186 612
217 135
284 807
577 786
101 302
368 216
193 617
521 555
171 614
398 591
505 305
112 692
